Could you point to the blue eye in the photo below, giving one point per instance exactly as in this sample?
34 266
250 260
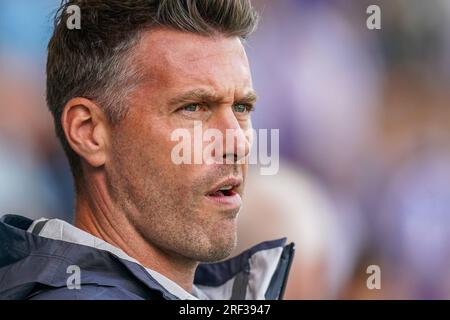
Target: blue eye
241 108
191 107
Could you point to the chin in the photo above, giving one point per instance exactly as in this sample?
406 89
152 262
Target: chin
221 246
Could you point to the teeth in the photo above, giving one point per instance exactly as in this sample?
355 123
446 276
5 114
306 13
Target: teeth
226 188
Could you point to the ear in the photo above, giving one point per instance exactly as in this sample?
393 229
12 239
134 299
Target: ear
86 129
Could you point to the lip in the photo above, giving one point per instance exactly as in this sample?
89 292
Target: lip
232 201
231 181
227 202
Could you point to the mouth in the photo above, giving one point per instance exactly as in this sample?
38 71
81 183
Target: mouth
226 194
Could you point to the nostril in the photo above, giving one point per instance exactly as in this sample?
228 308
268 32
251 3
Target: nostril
230 158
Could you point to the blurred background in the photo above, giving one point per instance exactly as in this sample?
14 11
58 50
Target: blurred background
364 120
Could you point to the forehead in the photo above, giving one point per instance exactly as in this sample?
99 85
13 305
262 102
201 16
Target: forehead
176 59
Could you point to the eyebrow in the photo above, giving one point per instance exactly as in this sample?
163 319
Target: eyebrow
209 96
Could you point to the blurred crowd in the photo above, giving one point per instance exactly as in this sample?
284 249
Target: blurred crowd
364 120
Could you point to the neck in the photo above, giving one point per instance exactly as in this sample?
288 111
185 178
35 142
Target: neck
97 215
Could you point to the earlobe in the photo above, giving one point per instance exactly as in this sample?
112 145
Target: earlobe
84 126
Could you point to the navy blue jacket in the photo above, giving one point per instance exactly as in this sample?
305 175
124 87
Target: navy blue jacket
37 259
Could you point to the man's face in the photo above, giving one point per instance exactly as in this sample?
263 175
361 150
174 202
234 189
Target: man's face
190 80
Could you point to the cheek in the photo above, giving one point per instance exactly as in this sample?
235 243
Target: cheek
139 149
154 144
154 151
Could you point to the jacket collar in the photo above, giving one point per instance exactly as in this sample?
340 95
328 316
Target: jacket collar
258 273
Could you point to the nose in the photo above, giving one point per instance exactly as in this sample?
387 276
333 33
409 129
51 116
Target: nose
236 136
